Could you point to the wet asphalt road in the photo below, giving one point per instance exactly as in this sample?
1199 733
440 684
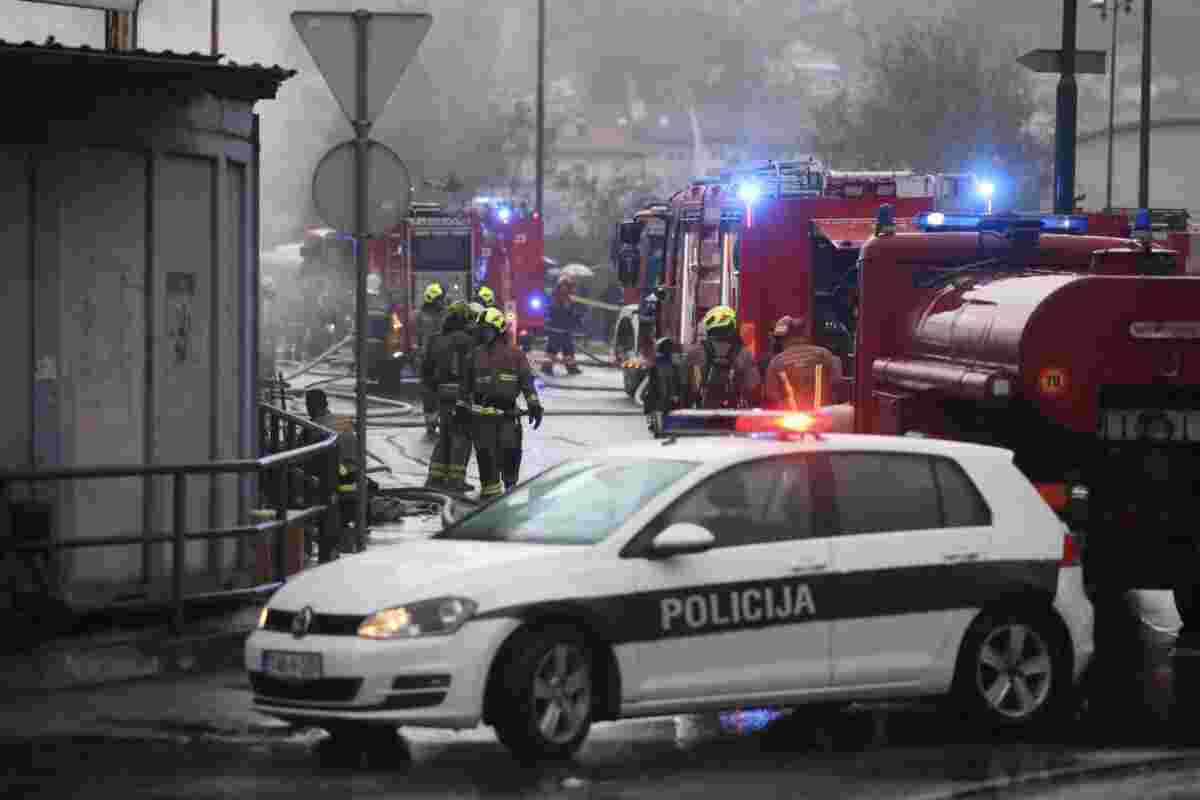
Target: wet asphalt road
895 751
200 738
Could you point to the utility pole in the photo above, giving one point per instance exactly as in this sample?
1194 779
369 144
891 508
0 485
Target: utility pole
1112 93
1144 144
362 129
1066 104
541 106
215 26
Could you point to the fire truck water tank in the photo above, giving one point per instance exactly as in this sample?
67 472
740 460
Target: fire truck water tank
1060 339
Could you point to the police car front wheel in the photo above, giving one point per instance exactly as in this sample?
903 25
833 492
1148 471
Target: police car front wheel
1013 670
545 694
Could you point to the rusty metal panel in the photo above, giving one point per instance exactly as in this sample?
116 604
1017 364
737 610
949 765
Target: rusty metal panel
16 308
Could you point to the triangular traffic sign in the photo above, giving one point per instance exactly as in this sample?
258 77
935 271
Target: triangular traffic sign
332 39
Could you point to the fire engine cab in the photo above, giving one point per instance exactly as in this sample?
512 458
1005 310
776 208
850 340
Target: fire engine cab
748 238
491 242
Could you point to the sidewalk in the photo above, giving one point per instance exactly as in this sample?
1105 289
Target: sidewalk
125 652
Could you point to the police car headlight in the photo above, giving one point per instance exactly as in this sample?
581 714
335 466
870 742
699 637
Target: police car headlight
441 616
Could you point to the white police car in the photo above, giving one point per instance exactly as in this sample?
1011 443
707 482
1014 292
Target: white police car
695 573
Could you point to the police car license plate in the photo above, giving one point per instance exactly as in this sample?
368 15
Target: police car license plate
293 666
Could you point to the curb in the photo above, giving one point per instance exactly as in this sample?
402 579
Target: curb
1049 778
90 664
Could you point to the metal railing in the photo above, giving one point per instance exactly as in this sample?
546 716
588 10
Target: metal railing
282 442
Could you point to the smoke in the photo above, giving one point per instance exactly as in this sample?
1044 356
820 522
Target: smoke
446 113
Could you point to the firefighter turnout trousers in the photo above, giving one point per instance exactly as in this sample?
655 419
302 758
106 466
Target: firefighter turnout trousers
448 465
498 441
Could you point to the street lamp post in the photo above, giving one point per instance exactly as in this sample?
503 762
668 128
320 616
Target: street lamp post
1144 166
539 176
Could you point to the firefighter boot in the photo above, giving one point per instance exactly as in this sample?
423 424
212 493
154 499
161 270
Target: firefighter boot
572 367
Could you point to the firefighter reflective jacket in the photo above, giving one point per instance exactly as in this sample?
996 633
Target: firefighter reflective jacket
446 365
496 375
791 381
729 382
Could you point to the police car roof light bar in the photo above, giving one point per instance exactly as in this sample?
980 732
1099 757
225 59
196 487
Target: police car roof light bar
756 423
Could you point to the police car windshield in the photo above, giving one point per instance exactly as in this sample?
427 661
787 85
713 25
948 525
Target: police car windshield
581 501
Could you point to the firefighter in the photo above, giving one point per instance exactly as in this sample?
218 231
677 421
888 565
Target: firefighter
663 387
317 403
486 297
562 321
429 326
721 373
498 372
442 376
474 314
792 376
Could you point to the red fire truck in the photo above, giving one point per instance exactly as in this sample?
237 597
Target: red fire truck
1080 353
1171 228
746 239
490 243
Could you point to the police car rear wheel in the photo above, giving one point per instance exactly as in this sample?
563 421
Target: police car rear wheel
546 706
1012 670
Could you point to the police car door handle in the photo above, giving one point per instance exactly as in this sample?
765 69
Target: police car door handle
961 555
809 568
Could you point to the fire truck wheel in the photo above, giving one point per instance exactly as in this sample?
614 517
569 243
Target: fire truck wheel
1013 670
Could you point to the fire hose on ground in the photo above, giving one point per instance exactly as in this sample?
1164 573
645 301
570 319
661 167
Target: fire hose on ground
306 367
587 412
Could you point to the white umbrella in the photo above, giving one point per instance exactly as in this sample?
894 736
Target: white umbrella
578 271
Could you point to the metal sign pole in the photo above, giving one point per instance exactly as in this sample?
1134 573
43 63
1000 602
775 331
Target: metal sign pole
1144 141
1066 103
362 127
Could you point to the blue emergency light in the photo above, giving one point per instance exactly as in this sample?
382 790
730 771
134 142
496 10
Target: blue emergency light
504 214
535 303
1143 228
939 221
749 192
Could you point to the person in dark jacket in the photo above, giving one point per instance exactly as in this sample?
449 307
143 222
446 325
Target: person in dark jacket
443 371
429 326
721 372
498 373
563 319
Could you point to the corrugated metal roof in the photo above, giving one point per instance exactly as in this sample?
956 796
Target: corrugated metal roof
258 76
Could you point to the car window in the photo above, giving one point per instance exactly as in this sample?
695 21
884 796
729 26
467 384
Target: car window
746 504
962 504
581 501
877 492
790 511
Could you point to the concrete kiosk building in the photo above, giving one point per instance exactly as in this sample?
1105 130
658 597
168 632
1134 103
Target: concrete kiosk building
129 223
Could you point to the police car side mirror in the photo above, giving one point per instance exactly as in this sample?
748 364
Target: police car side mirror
681 538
